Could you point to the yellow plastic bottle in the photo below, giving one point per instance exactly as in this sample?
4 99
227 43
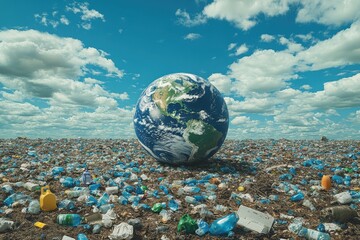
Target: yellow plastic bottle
47 199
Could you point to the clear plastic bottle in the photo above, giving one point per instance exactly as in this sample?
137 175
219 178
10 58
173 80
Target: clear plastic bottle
69 219
308 203
86 178
312 234
224 225
104 208
166 215
7 189
34 207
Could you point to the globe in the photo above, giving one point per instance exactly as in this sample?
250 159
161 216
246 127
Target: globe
181 119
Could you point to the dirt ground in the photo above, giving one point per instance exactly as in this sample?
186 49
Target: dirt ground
257 165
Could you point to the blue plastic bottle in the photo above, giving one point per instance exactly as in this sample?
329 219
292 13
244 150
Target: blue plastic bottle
106 207
173 205
81 236
224 225
297 197
203 227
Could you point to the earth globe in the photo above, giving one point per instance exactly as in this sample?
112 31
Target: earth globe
181 119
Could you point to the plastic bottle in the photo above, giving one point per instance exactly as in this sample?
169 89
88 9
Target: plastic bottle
312 234
189 189
34 207
173 205
91 200
104 208
343 197
96 228
104 199
309 204
187 223
157 207
81 236
190 200
297 197
69 219
86 178
57 170
112 190
222 226
122 200
68 182
66 204
203 227
338 179
166 215
164 189
7 189
31 186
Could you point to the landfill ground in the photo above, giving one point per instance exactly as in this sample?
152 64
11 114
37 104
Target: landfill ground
248 172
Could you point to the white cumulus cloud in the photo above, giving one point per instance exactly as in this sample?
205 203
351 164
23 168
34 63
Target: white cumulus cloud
192 36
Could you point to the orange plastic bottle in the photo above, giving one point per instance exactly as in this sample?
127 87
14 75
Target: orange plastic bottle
326 182
47 199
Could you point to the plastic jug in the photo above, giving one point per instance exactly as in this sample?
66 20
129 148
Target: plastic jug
47 199
326 182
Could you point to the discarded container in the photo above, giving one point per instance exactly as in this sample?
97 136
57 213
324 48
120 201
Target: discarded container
223 225
96 217
297 197
69 219
34 207
307 233
309 204
96 228
40 225
67 238
86 178
81 236
7 189
157 207
112 190
254 220
106 207
203 227
47 199
31 186
173 205
166 215
122 231
68 182
343 197
187 223
66 204
341 214
326 182
5 225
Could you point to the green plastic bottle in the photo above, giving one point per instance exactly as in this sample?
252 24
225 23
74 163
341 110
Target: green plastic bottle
69 219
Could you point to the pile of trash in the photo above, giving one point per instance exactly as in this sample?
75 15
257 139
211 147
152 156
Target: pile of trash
112 189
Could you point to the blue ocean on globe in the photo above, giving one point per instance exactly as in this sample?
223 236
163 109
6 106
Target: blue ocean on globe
181 119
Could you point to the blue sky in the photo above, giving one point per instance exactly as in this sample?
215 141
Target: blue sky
286 68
